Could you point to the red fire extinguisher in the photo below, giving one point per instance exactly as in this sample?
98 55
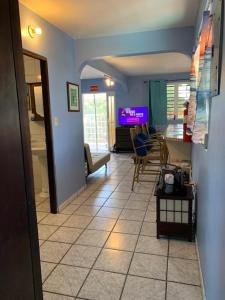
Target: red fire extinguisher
186 136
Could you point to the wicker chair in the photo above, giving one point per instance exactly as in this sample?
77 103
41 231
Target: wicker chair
154 142
157 142
148 164
145 130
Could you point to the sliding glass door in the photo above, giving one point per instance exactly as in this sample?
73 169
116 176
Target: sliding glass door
111 120
96 121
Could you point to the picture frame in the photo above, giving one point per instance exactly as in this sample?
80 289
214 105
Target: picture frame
217 29
73 97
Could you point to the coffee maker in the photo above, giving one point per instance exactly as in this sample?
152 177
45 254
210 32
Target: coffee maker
178 175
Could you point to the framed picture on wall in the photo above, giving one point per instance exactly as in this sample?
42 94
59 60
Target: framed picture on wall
217 47
73 96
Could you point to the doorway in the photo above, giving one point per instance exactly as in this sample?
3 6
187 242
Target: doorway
111 120
38 104
99 121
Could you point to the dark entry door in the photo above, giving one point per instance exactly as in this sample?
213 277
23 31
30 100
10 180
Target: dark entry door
20 276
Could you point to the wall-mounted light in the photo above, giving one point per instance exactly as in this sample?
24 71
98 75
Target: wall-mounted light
34 31
108 81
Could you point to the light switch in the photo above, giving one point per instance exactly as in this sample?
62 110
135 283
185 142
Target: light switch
56 121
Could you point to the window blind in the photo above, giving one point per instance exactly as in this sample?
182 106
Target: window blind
177 94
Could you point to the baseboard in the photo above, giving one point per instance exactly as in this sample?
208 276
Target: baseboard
66 202
71 198
200 270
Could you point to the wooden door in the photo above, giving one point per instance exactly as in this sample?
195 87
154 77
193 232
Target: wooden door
20 276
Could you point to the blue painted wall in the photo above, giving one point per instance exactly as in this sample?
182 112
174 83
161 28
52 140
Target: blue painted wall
66 58
137 93
68 136
208 171
169 40
108 69
92 50
86 83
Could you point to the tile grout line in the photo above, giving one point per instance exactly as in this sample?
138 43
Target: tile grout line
55 293
121 294
92 268
71 244
58 263
102 248
110 232
69 247
167 265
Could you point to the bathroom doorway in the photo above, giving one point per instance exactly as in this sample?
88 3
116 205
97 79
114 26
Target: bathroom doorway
38 104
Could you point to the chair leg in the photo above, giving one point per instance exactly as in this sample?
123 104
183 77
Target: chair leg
106 168
135 170
138 169
144 163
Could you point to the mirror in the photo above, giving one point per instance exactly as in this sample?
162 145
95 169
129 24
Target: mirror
34 88
35 101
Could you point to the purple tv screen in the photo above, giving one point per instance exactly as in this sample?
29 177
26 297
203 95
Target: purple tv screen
133 115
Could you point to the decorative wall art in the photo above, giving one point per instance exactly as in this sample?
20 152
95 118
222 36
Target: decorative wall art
73 97
205 72
217 40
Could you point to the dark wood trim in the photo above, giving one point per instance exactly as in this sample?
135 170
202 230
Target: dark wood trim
175 228
36 117
221 48
49 139
68 100
48 127
26 147
35 83
34 55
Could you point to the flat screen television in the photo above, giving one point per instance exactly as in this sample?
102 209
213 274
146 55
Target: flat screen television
130 116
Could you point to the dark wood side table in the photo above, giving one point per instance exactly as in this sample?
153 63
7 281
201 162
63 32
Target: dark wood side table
174 213
123 140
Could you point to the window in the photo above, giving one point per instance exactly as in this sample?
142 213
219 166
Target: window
177 93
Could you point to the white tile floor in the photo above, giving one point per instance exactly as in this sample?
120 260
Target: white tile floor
103 245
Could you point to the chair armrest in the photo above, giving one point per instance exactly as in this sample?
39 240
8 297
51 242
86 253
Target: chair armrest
88 156
145 145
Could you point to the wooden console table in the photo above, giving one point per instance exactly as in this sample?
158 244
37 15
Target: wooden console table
174 213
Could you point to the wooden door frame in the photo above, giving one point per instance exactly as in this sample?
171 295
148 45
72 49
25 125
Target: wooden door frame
48 127
107 111
111 94
23 143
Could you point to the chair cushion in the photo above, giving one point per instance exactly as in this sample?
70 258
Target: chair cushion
140 147
143 136
95 160
146 140
88 156
152 130
99 160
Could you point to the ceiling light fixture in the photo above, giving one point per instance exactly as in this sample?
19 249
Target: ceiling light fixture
34 31
108 81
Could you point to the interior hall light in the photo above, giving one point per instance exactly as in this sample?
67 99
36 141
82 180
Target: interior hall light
109 82
34 31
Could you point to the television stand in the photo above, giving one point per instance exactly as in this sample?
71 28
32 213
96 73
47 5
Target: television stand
123 140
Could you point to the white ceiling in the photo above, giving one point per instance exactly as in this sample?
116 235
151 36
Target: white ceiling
91 18
89 72
151 64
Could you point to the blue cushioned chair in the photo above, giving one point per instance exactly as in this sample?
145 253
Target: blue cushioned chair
146 162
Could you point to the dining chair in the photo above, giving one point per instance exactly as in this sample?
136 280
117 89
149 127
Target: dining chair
147 162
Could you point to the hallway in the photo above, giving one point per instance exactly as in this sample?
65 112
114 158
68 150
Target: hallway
103 244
